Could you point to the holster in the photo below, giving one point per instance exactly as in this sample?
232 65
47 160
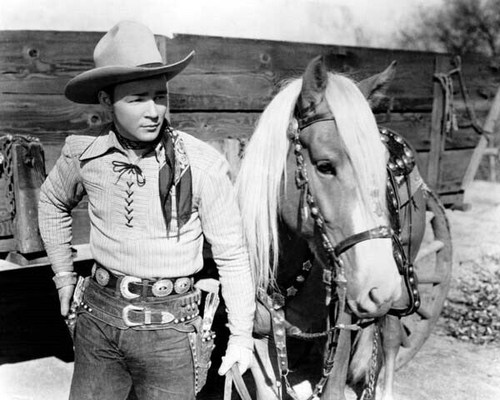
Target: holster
75 302
202 345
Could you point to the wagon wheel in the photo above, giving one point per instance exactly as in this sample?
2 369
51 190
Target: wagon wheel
433 267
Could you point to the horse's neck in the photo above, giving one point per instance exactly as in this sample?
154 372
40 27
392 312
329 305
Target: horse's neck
294 252
305 308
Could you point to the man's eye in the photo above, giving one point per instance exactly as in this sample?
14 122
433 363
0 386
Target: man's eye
326 168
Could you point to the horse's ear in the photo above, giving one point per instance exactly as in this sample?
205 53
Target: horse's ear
375 87
314 80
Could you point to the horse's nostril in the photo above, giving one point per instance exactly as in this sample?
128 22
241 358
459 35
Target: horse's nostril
374 296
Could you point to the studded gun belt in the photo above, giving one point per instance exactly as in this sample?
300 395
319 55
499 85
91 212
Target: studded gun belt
132 287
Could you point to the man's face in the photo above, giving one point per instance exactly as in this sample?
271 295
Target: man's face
139 108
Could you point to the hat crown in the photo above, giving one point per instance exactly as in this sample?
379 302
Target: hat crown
127 44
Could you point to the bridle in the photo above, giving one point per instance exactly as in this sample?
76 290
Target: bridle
334 272
307 116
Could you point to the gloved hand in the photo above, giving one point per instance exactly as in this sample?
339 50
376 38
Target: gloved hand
236 354
65 297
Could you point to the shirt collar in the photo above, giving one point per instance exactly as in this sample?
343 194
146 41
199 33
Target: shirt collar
107 141
102 144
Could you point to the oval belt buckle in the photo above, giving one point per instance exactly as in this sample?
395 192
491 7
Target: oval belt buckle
101 276
182 285
162 288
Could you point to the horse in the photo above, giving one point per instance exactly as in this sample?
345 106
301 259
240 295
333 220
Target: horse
312 190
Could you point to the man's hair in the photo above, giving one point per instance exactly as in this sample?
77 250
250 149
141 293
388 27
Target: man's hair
110 90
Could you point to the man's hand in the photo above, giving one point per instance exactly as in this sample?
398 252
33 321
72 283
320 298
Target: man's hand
236 354
65 296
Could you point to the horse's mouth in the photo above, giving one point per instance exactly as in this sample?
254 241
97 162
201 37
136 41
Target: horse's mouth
373 312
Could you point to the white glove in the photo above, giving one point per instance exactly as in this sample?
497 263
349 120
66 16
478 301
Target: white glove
236 354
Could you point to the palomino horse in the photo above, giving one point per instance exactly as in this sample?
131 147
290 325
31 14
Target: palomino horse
312 191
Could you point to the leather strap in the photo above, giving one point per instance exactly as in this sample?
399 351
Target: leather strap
381 232
234 376
307 116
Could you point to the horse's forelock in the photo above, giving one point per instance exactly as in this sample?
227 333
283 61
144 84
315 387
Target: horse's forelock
358 129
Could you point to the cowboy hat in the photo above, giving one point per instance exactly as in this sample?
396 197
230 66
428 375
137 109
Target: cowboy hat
126 53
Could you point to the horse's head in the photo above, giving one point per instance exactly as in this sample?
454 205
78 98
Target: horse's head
318 149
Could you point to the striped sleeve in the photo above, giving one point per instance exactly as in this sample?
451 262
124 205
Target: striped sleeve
221 224
59 194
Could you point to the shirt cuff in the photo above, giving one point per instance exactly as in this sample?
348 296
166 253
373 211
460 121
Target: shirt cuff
64 278
242 341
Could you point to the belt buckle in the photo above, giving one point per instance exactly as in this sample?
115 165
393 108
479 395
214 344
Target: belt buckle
124 290
166 317
125 317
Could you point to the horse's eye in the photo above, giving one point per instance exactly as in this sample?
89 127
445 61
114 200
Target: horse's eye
326 167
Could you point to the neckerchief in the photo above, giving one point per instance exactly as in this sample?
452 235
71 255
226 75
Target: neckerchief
175 174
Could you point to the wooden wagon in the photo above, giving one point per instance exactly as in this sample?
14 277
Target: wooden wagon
217 99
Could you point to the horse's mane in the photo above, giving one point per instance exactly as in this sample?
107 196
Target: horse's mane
263 169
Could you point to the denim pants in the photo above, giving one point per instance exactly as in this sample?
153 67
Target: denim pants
110 361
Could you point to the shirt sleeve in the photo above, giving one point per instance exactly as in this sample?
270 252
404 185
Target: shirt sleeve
59 194
222 227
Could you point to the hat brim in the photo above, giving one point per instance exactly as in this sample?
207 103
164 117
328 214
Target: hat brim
85 87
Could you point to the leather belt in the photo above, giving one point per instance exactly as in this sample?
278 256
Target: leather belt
174 310
131 287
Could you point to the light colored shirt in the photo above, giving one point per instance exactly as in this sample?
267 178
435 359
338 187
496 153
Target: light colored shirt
128 232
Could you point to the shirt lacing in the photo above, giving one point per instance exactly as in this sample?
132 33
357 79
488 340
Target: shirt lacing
132 170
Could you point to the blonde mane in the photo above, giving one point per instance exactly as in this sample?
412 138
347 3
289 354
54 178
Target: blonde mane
263 168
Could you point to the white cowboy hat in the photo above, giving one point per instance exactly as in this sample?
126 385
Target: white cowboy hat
126 53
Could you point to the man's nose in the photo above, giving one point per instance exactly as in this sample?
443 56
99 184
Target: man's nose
152 109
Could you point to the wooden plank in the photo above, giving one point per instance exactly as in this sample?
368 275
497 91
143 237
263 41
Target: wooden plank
43 61
33 114
266 63
454 200
416 127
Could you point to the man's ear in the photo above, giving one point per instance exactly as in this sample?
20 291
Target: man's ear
105 99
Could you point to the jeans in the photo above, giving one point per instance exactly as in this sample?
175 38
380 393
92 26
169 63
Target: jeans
109 361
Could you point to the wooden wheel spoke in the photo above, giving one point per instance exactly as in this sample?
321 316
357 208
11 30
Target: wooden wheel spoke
435 279
405 336
424 313
430 249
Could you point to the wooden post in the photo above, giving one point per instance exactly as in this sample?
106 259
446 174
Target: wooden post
442 65
479 151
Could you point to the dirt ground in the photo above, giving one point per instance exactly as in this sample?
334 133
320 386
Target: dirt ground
445 368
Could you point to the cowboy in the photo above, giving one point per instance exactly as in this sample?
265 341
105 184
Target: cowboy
154 195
